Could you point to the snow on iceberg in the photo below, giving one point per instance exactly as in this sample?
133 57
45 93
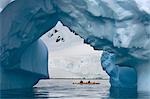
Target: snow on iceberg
70 57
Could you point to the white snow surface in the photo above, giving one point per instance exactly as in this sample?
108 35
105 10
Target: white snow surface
71 58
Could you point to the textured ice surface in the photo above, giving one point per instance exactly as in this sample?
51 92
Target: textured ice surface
32 67
120 76
118 26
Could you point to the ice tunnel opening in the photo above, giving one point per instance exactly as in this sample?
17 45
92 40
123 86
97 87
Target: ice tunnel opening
29 46
69 57
18 40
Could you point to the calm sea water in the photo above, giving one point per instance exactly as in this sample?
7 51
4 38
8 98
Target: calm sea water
64 89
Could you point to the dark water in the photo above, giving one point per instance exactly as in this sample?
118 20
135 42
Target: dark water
64 89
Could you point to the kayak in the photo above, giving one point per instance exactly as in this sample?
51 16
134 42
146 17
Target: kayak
92 83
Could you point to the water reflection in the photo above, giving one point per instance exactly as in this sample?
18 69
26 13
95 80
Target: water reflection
64 89
24 94
123 93
17 94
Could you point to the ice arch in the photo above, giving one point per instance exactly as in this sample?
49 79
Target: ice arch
112 25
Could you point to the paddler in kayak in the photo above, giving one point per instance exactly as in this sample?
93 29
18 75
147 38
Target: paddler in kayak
89 82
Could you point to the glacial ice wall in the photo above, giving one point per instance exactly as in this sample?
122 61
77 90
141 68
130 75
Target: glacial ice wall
114 23
115 26
121 27
32 67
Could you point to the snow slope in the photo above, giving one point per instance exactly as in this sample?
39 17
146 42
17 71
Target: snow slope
71 58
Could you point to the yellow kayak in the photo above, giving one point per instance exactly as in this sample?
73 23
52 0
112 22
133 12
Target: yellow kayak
87 83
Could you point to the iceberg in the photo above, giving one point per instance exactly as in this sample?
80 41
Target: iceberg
121 28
